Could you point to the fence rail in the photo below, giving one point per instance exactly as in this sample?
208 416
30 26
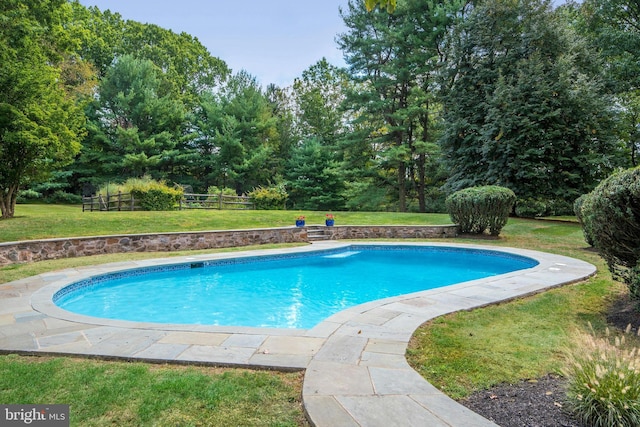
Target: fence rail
110 202
127 202
215 201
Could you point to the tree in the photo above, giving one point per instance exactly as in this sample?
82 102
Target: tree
237 136
189 68
135 124
523 107
318 95
389 5
394 58
312 178
40 126
613 28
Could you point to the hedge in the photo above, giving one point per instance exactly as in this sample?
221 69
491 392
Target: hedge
611 218
478 208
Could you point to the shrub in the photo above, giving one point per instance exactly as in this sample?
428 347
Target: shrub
531 208
158 199
611 217
478 208
269 198
28 195
535 208
577 210
150 195
63 197
604 382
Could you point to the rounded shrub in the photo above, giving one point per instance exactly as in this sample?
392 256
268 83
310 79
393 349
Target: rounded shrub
478 208
611 217
162 198
269 198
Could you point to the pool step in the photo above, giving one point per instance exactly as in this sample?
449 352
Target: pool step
316 233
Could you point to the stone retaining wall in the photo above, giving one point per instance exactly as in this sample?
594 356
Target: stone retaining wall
39 250
392 232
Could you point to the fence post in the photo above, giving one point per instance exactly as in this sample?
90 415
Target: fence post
133 202
119 200
220 201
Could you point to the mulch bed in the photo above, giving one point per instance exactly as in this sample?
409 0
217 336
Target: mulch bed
540 402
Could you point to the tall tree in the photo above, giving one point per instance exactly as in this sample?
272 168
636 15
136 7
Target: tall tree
522 106
317 98
318 95
237 136
189 68
613 27
135 124
394 59
40 126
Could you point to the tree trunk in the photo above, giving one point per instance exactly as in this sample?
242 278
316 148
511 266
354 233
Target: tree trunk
8 201
402 184
422 203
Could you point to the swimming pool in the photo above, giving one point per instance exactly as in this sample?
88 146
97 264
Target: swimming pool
283 291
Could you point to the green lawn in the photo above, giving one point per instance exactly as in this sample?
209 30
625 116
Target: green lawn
458 353
48 221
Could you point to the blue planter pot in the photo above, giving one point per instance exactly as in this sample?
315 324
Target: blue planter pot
299 222
329 222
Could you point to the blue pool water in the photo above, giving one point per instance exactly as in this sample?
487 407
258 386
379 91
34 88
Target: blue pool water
285 291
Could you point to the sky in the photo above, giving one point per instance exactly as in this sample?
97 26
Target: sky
273 40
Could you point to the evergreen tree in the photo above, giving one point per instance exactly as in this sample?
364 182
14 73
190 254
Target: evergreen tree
135 126
613 27
313 181
394 59
521 106
237 136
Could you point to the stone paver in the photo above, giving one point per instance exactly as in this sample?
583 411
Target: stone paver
355 370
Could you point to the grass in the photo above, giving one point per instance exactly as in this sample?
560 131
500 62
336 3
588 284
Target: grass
458 353
49 221
523 339
135 394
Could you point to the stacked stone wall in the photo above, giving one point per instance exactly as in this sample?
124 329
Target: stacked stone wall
40 250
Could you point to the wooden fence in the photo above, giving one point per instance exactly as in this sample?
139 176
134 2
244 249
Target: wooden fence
110 202
126 202
215 201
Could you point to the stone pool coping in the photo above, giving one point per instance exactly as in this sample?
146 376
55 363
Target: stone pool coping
356 372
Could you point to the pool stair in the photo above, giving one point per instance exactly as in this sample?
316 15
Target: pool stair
318 233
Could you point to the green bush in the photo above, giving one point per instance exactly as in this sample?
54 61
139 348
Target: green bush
531 208
269 198
577 210
150 195
604 382
62 197
158 199
611 217
28 195
478 208
559 207
536 208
